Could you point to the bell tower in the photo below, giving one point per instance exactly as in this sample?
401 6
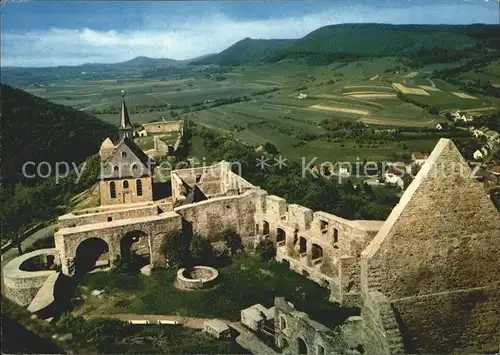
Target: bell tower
125 129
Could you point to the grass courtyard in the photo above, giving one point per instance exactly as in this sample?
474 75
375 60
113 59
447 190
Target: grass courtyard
246 281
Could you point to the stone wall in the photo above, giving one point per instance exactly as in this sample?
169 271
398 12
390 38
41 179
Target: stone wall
154 227
22 286
212 216
164 127
381 333
321 246
72 220
292 326
437 323
126 195
441 239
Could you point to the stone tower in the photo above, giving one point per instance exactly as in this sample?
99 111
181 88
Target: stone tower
125 129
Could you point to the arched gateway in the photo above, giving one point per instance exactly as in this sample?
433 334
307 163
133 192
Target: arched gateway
90 254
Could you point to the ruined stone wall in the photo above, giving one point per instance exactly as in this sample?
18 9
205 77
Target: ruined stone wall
442 238
316 243
457 319
210 217
291 325
72 220
381 334
232 181
125 195
164 127
22 286
155 227
208 177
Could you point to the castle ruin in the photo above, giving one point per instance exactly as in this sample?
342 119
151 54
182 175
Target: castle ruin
425 280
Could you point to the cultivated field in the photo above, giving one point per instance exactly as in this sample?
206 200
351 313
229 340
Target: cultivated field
272 111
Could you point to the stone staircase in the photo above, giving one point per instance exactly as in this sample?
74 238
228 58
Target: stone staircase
375 277
390 325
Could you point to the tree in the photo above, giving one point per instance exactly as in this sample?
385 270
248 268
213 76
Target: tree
232 240
176 248
200 250
265 249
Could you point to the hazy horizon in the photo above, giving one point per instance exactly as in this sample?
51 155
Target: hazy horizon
41 34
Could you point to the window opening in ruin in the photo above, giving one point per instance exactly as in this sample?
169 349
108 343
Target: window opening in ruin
266 228
280 236
335 235
282 323
321 350
112 189
317 251
115 168
138 185
110 219
302 346
323 226
256 228
303 245
124 155
125 184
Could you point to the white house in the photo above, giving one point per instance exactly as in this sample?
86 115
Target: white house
480 153
419 157
301 96
438 126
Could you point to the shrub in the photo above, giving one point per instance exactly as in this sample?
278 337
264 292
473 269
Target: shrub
176 248
232 240
200 250
265 249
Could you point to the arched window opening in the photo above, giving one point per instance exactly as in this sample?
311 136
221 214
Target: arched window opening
112 189
282 323
266 228
138 185
317 251
302 245
124 155
125 184
280 236
302 346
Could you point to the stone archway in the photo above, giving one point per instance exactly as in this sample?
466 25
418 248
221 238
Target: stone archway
90 254
134 249
303 350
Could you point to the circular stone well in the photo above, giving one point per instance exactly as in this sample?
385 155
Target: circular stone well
197 277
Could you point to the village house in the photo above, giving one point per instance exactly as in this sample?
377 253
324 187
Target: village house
419 157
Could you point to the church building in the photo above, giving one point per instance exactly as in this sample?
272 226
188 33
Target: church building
126 173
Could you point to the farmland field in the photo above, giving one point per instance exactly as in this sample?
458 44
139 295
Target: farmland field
261 103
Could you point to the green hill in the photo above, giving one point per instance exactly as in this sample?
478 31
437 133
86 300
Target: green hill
246 50
34 129
428 43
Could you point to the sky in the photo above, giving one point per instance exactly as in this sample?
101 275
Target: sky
44 33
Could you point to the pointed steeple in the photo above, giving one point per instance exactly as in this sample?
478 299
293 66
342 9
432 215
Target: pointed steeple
125 129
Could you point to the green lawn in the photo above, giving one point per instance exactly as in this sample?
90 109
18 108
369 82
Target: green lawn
245 282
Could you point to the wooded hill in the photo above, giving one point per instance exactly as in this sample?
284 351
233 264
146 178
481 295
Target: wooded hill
34 129
442 43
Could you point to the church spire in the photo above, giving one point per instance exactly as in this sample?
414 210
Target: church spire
125 119
125 129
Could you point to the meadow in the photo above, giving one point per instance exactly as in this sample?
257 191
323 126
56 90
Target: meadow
262 103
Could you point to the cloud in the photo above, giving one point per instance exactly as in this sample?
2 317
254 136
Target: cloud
209 33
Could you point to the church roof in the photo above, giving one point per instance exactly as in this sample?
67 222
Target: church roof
107 143
127 161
